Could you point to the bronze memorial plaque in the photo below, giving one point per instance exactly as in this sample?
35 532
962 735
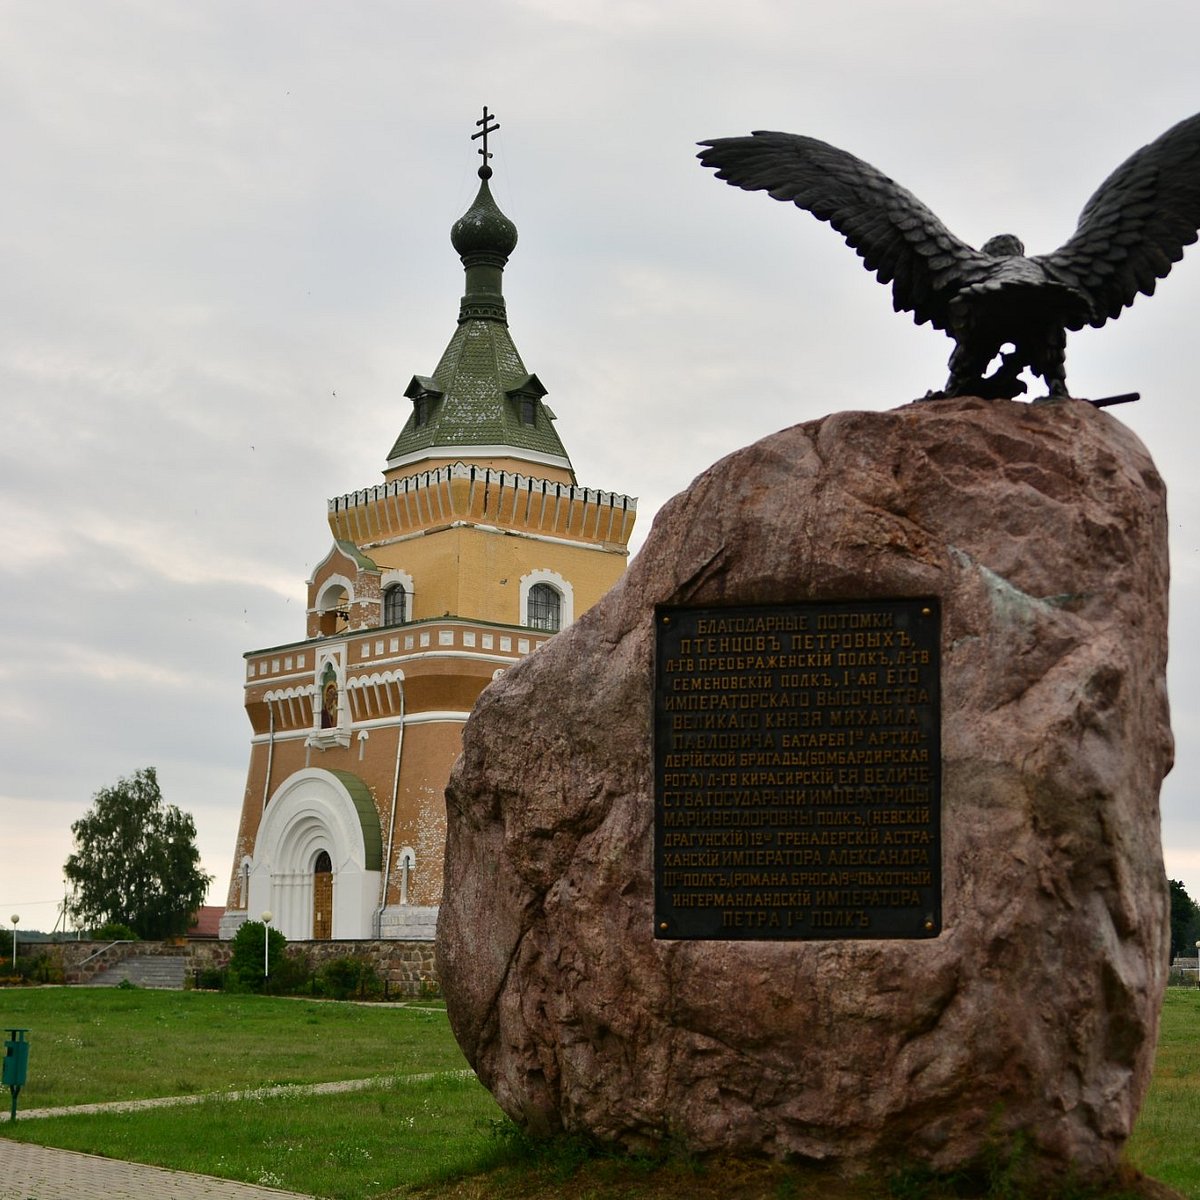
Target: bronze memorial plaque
797 771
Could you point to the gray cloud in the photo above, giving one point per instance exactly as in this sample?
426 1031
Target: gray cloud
225 244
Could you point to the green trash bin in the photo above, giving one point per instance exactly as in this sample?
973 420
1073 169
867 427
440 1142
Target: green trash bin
16 1065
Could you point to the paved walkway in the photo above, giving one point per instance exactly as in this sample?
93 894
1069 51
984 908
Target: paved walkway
29 1172
41 1173
279 1089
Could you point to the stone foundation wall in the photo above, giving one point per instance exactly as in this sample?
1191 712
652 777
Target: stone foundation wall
407 968
82 961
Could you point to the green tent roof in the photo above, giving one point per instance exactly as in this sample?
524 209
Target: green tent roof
481 397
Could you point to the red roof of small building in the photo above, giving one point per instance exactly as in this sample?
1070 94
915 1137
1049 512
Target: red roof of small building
206 923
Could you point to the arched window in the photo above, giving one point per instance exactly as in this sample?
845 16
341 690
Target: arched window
547 601
395 605
334 607
545 608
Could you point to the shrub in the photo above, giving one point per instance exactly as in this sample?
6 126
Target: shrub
291 974
41 968
210 979
349 976
114 931
245 973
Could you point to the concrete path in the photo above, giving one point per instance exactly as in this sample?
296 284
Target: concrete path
40 1173
279 1089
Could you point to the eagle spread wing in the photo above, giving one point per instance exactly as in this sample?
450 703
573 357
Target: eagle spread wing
896 236
1129 235
1135 227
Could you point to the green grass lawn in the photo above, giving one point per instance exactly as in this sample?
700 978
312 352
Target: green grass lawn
92 1045
348 1147
97 1044
1166 1139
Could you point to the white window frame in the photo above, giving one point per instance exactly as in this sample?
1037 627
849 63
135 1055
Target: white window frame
559 584
390 579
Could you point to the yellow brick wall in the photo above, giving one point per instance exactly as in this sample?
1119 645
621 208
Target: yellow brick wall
476 573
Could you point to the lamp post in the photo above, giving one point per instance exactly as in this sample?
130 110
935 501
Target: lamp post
1197 963
14 919
266 920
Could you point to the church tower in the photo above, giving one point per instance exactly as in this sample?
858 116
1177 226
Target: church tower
477 547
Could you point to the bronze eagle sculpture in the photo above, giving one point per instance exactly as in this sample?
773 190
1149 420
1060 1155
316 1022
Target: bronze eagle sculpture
994 301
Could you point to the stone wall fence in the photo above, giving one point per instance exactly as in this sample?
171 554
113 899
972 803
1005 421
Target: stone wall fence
406 968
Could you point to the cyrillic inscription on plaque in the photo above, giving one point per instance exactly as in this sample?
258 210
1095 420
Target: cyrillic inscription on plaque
797 759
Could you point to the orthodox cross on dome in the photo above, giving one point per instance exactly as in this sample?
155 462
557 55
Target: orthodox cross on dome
483 133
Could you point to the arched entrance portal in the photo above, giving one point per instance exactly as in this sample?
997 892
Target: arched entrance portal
318 857
322 922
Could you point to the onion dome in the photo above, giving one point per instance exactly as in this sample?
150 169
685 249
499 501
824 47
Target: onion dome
481 402
483 231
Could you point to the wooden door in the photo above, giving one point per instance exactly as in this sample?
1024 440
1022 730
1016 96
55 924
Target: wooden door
322 898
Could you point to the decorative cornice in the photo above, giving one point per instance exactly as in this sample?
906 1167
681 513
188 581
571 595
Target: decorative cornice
533 457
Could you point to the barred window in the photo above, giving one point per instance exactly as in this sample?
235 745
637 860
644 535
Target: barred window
395 605
545 608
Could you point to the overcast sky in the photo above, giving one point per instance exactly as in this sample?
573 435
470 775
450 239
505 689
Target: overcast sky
225 252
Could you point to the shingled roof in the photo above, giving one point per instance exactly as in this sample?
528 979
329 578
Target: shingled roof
481 399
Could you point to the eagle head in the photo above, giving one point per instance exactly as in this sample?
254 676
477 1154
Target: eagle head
1003 245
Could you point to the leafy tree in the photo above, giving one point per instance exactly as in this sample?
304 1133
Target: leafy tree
136 861
1185 922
